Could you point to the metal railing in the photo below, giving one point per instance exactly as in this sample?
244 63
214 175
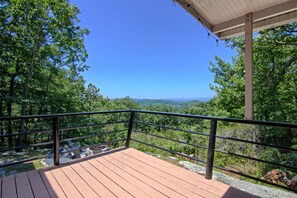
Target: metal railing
130 127
56 130
212 139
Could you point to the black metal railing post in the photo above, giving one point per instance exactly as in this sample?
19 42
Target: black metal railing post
130 128
56 140
211 147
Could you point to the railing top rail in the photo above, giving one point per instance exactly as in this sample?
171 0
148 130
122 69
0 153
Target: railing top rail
264 123
62 115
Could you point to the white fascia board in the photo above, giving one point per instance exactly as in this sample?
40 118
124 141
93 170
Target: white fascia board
261 15
261 25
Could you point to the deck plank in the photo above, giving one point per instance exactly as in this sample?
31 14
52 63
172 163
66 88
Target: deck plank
8 187
38 187
23 185
178 173
173 185
112 164
51 184
155 183
79 183
133 190
123 173
188 187
216 187
96 185
67 186
106 181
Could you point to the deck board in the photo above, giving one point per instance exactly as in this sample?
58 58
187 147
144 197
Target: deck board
182 174
8 187
151 181
133 190
67 186
79 183
188 189
123 172
215 187
108 161
38 187
109 183
51 184
23 186
96 185
154 175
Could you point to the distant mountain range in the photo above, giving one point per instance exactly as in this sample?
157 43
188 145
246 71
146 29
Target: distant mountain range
201 99
174 101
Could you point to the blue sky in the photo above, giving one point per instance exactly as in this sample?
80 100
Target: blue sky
147 49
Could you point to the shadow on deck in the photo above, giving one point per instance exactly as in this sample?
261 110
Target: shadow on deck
123 172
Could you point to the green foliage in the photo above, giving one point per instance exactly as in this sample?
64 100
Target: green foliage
153 102
42 58
275 85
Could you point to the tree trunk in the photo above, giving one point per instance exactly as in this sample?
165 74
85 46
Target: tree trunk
2 94
22 138
9 109
42 103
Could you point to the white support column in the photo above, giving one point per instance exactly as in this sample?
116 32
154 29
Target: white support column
248 64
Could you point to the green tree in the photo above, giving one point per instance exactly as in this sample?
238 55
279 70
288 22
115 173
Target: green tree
275 71
41 40
275 85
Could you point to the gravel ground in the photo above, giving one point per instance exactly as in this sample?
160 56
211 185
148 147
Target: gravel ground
251 188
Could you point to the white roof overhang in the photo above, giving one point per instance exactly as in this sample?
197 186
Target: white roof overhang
226 18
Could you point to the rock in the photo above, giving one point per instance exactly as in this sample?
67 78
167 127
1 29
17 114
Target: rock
20 153
280 177
8 153
106 149
89 152
172 158
71 155
43 162
200 172
76 154
274 172
293 183
284 174
255 189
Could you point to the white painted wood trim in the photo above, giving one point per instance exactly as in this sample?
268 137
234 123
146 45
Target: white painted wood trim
260 15
261 25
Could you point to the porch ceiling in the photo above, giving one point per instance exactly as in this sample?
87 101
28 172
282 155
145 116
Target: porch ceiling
226 18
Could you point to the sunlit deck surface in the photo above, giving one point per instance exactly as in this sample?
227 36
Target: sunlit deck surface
123 172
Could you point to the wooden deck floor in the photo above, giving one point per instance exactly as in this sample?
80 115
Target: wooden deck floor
118 173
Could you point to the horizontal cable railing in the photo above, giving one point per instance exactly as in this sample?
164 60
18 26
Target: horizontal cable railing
212 137
134 122
170 151
59 134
